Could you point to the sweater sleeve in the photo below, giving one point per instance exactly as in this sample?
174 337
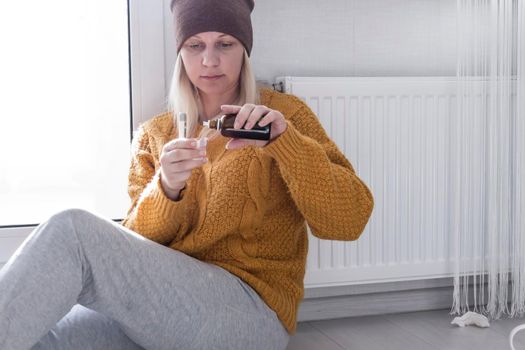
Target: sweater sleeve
335 203
152 214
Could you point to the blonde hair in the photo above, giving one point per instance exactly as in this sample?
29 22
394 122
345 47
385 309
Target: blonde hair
184 96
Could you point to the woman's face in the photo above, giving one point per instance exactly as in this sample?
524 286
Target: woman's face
213 61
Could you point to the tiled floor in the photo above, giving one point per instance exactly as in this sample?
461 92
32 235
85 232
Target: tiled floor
427 330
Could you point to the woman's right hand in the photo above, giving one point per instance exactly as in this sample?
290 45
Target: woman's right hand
177 159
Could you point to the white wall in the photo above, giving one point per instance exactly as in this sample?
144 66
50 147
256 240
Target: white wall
347 38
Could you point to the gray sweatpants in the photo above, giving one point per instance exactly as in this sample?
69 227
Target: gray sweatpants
81 281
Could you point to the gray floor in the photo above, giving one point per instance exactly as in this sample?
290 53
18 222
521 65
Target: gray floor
415 330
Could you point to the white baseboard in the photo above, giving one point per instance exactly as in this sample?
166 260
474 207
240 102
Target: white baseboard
380 298
377 299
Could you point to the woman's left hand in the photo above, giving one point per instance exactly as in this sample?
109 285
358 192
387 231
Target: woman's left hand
251 114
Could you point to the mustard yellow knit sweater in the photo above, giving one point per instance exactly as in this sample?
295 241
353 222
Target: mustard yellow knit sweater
245 210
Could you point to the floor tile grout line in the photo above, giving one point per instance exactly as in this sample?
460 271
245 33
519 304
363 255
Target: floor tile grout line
327 336
409 331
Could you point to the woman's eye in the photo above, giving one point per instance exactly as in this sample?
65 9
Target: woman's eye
194 46
225 45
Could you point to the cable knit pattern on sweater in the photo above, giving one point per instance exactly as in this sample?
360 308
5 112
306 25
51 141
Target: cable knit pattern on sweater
246 210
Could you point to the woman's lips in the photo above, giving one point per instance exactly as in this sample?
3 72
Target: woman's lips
212 77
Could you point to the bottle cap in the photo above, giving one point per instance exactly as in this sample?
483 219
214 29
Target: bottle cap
212 124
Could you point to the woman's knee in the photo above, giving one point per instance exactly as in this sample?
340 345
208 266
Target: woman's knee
58 225
71 221
70 215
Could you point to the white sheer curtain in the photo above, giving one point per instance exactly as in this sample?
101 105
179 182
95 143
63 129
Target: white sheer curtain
489 244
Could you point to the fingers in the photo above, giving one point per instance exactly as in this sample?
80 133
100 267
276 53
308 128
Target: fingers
187 165
176 174
239 143
230 109
178 158
180 143
268 118
243 115
183 150
255 116
247 115
250 115
181 154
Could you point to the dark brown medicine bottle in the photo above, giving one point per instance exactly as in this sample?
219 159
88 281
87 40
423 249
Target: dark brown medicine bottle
225 125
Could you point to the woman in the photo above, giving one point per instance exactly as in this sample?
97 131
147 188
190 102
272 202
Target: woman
212 253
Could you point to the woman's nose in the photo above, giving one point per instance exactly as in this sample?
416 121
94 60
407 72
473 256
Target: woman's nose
210 57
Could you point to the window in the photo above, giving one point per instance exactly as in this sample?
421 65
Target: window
65 116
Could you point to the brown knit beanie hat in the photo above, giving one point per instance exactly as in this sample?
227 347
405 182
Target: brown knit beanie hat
226 16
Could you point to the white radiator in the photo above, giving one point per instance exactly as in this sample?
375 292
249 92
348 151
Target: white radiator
396 132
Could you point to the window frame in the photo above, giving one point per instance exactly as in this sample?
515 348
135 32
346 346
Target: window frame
146 55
